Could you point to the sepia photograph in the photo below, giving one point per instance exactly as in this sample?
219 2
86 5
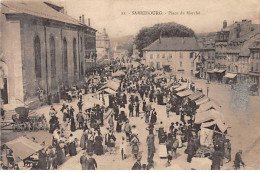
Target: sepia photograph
129 85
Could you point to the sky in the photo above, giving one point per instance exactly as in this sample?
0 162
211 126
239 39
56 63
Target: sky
209 18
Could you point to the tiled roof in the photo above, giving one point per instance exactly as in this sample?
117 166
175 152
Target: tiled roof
255 45
207 47
248 35
245 48
37 8
173 43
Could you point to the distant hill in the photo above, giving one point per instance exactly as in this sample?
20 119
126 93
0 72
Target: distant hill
124 42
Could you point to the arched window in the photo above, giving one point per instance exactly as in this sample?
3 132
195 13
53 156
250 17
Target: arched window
52 55
37 55
65 59
75 55
53 62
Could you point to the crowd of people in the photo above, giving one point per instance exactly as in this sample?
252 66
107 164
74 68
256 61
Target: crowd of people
139 91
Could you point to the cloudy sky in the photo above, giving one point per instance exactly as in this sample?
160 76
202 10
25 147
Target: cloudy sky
108 13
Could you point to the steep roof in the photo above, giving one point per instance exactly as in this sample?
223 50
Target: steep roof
248 35
37 8
255 45
245 48
173 44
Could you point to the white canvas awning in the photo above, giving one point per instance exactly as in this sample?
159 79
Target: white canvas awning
230 75
23 147
208 105
202 100
184 93
181 88
209 115
196 95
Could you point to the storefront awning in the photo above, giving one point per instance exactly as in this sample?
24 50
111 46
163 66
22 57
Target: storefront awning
208 105
254 74
230 75
184 93
23 147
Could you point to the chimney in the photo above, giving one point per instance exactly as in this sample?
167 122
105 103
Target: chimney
83 19
224 24
79 19
238 30
89 22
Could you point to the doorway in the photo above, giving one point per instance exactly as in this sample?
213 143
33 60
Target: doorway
4 93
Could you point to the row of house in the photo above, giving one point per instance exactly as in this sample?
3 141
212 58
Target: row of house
42 48
230 54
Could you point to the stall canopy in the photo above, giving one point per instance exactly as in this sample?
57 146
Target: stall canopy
118 73
230 75
196 95
208 105
112 85
110 91
207 116
220 71
216 125
91 102
196 72
184 93
202 100
183 87
23 147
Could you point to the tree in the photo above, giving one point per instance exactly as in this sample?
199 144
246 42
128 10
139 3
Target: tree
148 35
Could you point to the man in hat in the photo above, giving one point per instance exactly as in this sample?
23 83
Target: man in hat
131 109
127 130
80 119
238 160
84 161
80 104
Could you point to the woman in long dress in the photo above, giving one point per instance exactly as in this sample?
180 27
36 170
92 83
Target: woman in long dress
98 144
162 145
90 143
83 140
178 137
72 146
135 147
72 124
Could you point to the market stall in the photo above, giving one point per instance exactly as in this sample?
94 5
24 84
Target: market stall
202 100
21 149
207 106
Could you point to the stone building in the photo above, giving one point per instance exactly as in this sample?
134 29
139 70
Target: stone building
43 48
254 71
181 54
232 53
103 47
207 53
